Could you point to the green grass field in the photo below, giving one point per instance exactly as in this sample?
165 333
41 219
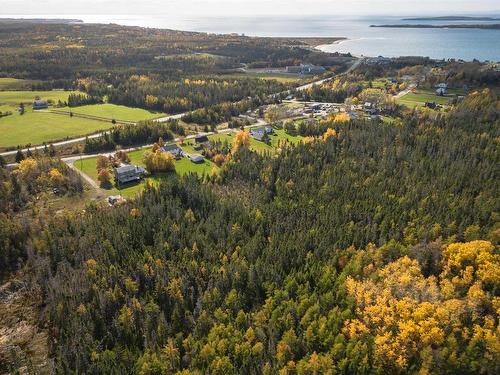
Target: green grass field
254 144
16 84
113 111
34 128
182 166
27 97
421 96
283 78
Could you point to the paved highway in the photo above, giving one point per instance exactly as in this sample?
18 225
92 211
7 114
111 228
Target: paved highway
171 117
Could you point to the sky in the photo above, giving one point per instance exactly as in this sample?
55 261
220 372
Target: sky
247 7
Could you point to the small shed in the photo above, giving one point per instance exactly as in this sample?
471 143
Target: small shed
196 158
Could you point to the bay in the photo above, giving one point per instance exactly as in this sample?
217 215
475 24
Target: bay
442 43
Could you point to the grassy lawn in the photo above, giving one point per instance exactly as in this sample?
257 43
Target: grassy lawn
113 111
254 144
388 119
37 127
421 96
182 166
16 97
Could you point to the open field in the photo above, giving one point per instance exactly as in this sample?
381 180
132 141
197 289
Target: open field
27 97
16 84
182 166
283 78
34 128
421 96
37 127
113 111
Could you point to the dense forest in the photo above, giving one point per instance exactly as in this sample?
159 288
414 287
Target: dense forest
36 177
70 51
163 70
371 249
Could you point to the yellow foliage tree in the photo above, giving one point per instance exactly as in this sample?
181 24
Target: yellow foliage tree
158 161
330 133
27 168
104 177
341 117
151 101
241 139
102 162
56 177
410 316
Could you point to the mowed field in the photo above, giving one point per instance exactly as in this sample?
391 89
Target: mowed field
34 128
419 97
184 165
37 127
14 98
113 111
16 84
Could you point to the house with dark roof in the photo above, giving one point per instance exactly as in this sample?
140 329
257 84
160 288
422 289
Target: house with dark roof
201 142
128 173
40 104
173 149
199 139
260 132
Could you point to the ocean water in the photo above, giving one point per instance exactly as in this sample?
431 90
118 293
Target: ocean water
466 44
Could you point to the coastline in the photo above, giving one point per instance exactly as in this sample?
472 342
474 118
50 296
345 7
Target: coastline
339 41
324 48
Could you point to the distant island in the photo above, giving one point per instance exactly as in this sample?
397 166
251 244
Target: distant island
494 26
452 18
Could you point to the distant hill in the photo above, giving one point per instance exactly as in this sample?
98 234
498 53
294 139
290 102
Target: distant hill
42 20
452 18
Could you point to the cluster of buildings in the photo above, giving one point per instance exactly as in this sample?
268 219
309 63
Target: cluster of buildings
305 69
379 60
126 173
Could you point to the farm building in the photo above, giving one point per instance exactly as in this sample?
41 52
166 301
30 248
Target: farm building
40 104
